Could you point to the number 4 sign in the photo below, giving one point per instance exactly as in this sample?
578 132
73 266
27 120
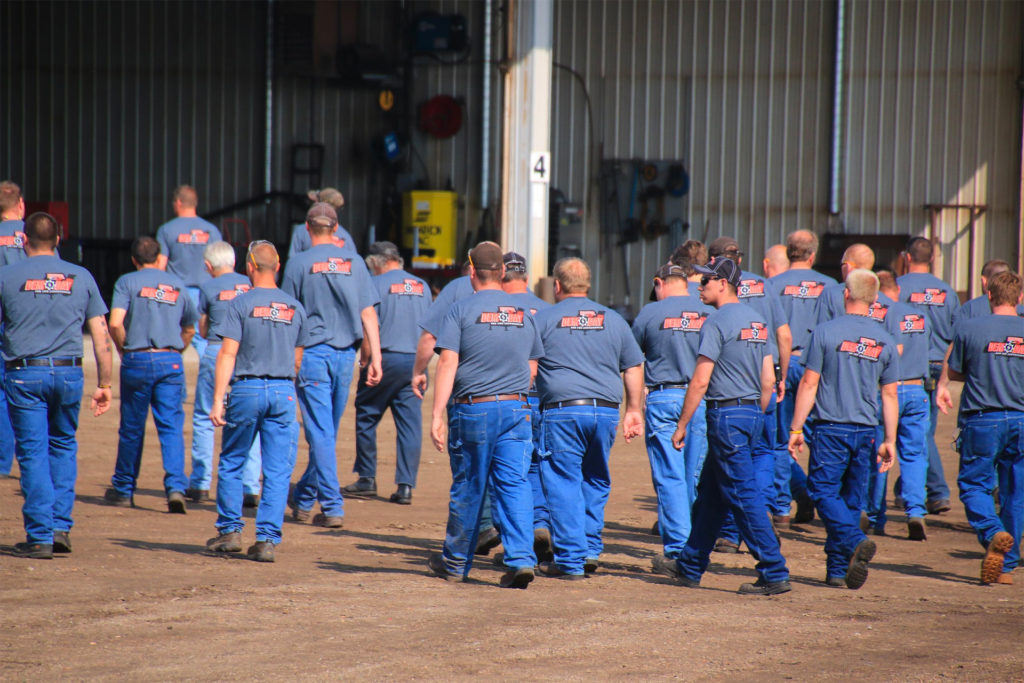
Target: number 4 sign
540 167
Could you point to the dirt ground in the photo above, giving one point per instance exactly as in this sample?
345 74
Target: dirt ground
138 597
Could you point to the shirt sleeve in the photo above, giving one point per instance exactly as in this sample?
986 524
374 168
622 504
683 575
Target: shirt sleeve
630 354
161 238
814 355
95 307
122 296
204 303
190 313
957 355
537 350
289 283
304 328
368 294
449 334
215 235
710 343
434 317
891 369
230 326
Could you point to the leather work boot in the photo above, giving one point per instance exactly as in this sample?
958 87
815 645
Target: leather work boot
261 551
62 541
225 543
403 496
364 487
176 502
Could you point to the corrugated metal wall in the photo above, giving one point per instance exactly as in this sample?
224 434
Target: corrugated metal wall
742 92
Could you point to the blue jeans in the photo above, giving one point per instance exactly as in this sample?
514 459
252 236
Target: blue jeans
728 483
198 341
841 457
994 441
6 432
912 451
790 480
489 446
394 392
674 477
43 404
323 383
936 486
263 408
154 379
574 472
202 431
763 456
541 513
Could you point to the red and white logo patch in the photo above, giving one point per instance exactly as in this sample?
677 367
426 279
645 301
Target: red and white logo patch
807 289
583 320
1013 347
163 294
54 283
275 313
865 347
929 297
194 237
338 241
688 321
407 287
878 312
757 332
15 241
912 323
749 288
229 294
336 266
505 316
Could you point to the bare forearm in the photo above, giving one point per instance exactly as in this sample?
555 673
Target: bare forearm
805 395
444 381
890 410
186 335
424 352
371 331
102 350
633 379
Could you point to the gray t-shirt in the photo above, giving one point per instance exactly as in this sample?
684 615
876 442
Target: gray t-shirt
755 292
798 292
334 288
457 289
44 303
12 242
183 240
533 302
495 338
268 325
404 300
975 308
301 241
938 301
586 347
735 337
990 353
668 332
157 307
214 297
853 354
909 327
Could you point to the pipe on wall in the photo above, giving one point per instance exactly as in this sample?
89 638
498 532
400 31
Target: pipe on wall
268 151
835 174
485 133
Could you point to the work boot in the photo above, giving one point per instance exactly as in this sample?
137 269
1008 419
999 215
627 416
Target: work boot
517 578
403 496
261 551
857 572
230 542
437 565
250 500
937 507
176 502
364 487
555 571
762 587
781 522
487 541
916 529
114 497
298 514
835 582
35 551
667 566
542 546
329 521
995 555
61 541
804 510
724 546
197 495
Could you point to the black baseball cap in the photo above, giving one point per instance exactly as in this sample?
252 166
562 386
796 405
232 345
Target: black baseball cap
721 268
669 270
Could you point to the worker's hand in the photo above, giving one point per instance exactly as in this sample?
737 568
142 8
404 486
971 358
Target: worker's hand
439 433
419 384
101 399
374 373
943 399
780 391
217 413
679 437
796 444
886 455
632 425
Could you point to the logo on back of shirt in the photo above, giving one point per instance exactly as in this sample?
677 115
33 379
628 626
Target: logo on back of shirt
865 347
229 294
54 283
407 287
688 321
912 323
15 241
583 320
807 289
878 311
749 288
337 266
163 294
1013 346
931 296
275 313
757 332
194 237
505 316
338 241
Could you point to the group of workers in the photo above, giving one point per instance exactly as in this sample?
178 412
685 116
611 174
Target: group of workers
727 375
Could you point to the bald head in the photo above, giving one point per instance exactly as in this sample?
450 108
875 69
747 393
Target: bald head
775 260
801 246
572 275
263 256
859 256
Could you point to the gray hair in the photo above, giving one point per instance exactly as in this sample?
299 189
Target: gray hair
219 255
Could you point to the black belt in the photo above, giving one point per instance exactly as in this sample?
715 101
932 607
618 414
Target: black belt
595 402
733 402
489 398
660 387
43 362
986 411
264 377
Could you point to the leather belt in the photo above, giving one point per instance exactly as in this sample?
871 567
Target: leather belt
733 402
263 377
470 400
660 387
595 402
43 362
916 382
